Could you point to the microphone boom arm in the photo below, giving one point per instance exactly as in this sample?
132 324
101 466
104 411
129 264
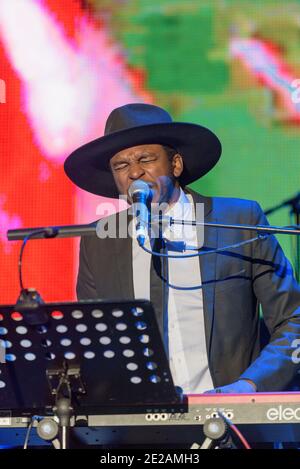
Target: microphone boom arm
71 231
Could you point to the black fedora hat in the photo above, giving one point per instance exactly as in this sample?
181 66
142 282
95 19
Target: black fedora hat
140 124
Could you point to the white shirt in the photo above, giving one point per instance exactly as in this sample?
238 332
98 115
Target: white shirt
187 343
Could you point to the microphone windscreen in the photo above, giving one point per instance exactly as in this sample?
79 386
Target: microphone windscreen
138 186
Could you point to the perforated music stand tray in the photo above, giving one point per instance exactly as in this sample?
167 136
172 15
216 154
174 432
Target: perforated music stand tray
117 346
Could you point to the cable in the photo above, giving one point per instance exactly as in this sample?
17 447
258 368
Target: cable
235 430
33 419
28 434
21 254
48 232
211 251
199 287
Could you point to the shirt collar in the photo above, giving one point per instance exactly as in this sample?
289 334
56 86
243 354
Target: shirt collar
182 208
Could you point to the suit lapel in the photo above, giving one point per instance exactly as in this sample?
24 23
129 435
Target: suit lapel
207 265
123 250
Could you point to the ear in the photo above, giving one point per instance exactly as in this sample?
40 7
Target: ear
177 164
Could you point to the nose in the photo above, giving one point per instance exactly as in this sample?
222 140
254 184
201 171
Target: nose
136 171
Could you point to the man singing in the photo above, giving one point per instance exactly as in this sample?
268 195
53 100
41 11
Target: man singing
207 307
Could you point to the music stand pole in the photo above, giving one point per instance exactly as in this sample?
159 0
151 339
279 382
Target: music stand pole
63 408
64 411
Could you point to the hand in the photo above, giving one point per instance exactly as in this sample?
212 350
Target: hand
238 387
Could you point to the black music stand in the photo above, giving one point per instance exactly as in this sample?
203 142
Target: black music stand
83 358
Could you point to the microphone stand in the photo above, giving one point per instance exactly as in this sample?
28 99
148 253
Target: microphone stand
294 204
260 229
71 231
64 231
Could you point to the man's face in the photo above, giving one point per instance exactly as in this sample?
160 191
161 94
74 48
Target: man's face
151 164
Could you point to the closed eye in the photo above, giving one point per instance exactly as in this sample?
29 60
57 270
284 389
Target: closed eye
147 160
120 166
142 160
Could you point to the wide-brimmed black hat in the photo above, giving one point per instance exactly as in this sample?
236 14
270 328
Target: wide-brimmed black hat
140 124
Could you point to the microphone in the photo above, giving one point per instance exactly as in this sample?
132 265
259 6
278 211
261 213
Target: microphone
140 194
